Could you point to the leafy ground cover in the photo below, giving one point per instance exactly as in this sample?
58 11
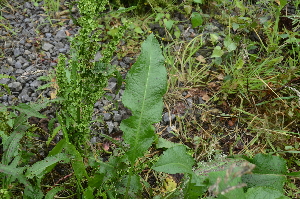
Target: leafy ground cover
229 90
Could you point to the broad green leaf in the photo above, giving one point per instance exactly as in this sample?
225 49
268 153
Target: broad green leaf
225 176
51 194
146 83
138 30
168 23
159 16
163 143
267 180
195 188
187 9
264 193
269 164
235 26
198 1
175 160
135 185
228 182
108 168
213 37
38 168
196 19
229 44
218 52
88 193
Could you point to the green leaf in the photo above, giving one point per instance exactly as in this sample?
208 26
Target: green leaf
175 160
196 19
77 162
269 164
264 193
48 85
198 1
163 143
29 110
138 30
159 16
11 170
88 193
218 52
267 180
168 23
38 168
6 76
146 83
269 171
135 185
11 147
51 194
229 44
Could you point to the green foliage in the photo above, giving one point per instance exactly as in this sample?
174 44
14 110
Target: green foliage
196 19
175 160
4 85
145 86
12 170
81 83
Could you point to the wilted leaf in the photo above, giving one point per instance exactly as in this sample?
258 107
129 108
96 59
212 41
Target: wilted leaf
201 59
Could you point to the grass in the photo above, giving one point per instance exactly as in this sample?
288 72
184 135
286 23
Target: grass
234 90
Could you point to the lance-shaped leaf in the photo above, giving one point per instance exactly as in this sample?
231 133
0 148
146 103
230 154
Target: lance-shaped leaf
146 83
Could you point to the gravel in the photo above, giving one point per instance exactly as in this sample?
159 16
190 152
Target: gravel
33 51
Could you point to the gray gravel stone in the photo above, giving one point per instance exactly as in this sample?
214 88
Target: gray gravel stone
10 61
6 69
7 44
36 83
128 60
4 80
61 34
110 126
22 59
5 98
15 86
106 116
48 35
62 50
111 86
17 52
117 117
28 5
18 64
94 140
8 16
25 98
166 117
98 56
27 52
47 46
19 71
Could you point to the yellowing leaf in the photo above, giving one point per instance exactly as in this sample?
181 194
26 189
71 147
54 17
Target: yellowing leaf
170 184
201 59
